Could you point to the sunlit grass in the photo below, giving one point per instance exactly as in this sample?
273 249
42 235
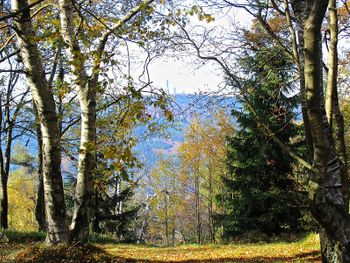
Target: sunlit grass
305 250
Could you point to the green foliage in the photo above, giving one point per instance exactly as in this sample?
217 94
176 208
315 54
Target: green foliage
101 238
22 157
112 212
262 194
23 237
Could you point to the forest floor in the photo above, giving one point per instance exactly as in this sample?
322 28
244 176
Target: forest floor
306 250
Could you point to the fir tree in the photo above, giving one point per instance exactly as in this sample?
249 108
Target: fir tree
264 196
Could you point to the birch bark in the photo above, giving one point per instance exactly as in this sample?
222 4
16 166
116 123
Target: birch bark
57 230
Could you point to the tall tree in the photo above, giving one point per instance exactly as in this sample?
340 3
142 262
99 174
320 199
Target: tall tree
201 168
165 202
87 89
57 228
265 197
330 175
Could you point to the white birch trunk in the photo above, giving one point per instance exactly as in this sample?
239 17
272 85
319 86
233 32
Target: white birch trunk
86 90
57 229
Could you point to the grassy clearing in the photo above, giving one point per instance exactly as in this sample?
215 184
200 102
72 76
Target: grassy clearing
306 250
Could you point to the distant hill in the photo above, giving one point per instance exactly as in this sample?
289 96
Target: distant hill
150 148
184 106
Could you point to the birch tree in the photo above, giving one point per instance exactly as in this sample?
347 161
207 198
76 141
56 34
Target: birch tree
57 228
87 86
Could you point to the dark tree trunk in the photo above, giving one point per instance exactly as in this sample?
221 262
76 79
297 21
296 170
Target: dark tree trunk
327 206
96 222
3 219
40 198
4 205
5 165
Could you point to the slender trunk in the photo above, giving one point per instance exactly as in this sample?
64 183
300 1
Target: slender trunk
332 62
86 89
331 249
5 174
96 223
119 207
9 121
334 115
166 219
143 227
57 230
3 222
84 187
210 207
86 165
4 205
198 213
173 232
184 240
40 197
328 205
300 9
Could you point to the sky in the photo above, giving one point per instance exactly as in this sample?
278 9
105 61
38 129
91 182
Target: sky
182 75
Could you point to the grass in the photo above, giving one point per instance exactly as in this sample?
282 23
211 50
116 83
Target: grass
306 250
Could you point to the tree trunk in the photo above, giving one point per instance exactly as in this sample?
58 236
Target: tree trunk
6 160
57 230
4 205
96 223
301 9
5 172
86 89
3 195
198 212
166 217
334 115
210 206
328 205
86 165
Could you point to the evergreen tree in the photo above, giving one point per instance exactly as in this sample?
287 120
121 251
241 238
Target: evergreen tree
264 196
113 211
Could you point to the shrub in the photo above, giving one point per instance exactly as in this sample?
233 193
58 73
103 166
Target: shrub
14 236
101 238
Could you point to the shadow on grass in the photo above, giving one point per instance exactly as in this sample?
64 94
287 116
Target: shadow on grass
93 254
